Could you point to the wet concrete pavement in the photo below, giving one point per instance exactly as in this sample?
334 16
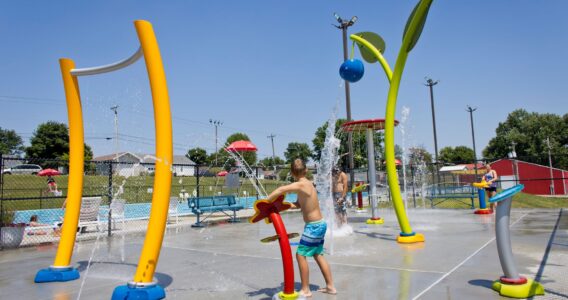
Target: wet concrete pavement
227 261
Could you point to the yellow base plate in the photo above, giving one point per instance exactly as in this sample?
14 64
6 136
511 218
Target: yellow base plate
417 238
529 289
294 295
375 222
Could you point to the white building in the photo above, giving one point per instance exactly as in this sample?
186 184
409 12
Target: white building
137 164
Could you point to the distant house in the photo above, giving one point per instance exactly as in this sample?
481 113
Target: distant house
182 166
136 164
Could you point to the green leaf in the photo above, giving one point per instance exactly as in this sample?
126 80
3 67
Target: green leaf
421 23
376 40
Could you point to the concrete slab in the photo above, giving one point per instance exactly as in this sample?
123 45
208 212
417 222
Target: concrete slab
227 261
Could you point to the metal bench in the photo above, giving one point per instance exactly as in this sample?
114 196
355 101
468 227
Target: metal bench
438 194
213 204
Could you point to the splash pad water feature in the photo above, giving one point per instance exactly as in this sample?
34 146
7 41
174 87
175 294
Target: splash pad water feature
270 212
143 284
369 127
372 46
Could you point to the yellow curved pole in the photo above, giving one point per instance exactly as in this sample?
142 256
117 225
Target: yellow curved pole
164 153
76 165
375 52
390 123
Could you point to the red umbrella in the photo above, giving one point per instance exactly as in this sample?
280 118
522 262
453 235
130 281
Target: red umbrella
222 173
396 162
241 146
48 172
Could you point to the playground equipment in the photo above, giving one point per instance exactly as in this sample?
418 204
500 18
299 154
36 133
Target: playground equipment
352 70
270 212
512 284
369 126
358 189
482 210
371 46
142 286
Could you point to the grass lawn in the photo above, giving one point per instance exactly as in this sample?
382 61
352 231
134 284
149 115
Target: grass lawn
32 192
520 200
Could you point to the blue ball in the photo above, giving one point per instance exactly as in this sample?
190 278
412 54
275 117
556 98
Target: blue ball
352 70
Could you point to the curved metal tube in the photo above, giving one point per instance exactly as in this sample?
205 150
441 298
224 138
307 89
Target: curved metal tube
110 67
372 173
376 52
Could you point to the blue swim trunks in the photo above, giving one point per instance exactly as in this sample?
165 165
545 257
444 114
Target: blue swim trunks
312 239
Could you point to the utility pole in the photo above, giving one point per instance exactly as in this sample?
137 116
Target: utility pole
471 110
271 137
343 25
216 123
115 109
431 83
550 166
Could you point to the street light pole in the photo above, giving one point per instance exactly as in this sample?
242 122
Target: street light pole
550 166
216 123
343 25
431 83
471 110
115 109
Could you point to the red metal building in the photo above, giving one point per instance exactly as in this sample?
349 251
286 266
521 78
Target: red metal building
536 178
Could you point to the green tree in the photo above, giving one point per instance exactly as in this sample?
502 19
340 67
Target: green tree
297 150
10 142
51 141
268 162
197 155
359 144
457 155
419 154
528 133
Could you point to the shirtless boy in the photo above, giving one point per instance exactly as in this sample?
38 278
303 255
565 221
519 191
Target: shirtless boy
339 185
311 243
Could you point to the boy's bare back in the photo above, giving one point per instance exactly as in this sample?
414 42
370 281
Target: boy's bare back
308 200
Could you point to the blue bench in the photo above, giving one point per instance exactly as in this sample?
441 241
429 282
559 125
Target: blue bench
438 194
213 204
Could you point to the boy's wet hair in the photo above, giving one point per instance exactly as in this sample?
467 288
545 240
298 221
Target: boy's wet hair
298 168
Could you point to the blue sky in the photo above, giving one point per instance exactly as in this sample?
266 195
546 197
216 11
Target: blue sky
267 67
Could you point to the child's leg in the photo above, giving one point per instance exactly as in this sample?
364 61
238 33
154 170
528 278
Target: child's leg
326 271
304 274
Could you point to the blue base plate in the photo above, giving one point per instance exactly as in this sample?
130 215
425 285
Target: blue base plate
124 292
52 275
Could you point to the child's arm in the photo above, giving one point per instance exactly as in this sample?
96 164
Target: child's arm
293 187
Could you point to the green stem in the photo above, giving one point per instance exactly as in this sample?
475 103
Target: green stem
390 118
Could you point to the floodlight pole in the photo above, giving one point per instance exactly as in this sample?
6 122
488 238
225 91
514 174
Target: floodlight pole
431 83
343 25
216 123
471 110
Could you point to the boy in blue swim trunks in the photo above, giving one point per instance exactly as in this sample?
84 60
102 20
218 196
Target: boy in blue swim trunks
311 243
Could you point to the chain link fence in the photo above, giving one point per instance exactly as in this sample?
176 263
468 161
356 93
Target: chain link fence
117 196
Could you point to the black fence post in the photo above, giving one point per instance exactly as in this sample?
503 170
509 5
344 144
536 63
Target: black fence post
110 164
1 189
413 183
257 182
197 179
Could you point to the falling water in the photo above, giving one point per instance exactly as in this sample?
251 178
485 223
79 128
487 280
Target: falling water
323 180
248 173
404 118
